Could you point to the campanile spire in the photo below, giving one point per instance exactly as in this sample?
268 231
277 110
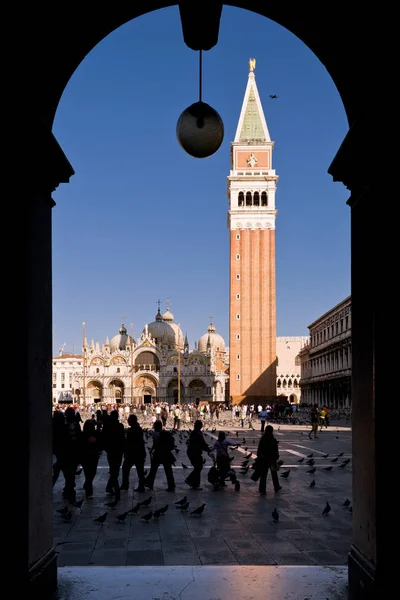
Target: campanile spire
251 221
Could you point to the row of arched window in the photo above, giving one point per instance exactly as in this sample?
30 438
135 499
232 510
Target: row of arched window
289 383
253 199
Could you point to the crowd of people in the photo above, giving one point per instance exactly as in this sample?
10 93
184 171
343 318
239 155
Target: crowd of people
80 441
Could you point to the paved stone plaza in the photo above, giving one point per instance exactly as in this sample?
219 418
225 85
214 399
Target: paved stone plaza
236 528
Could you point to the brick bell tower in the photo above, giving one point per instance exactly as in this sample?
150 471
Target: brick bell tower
251 222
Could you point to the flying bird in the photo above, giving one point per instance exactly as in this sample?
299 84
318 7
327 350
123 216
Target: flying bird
312 484
273 96
101 518
182 500
275 515
327 509
121 518
198 510
147 517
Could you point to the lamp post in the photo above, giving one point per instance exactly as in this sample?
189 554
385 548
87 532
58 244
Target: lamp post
132 364
179 368
84 362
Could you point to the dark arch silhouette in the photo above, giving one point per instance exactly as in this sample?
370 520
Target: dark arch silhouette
348 40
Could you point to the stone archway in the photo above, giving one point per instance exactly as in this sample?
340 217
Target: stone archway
172 392
116 389
94 392
343 44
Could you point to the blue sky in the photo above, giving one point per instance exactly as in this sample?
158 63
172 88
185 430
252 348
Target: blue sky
141 220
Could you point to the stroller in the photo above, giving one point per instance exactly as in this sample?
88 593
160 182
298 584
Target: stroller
214 476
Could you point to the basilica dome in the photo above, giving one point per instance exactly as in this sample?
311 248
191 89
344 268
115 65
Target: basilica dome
168 317
121 340
216 341
162 331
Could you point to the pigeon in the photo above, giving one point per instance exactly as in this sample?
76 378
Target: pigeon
182 500
183 506
67 515
328 468
346 462
327 509
346 502
134 510
163 509
310 455
146 502
310 462
101 518
121 518
326 455
312 471
157 514
237 486
79 471
285 474
78 504
342 466
341 454
198 510
335 459
147 517
300 460
112 504
351 510
184 466
312 484
63 511
275 515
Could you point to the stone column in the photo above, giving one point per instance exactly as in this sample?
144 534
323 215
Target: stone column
370 250
48 167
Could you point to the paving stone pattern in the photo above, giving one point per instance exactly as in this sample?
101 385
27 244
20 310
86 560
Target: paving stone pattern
236 528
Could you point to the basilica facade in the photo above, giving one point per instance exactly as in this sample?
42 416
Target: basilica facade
157 367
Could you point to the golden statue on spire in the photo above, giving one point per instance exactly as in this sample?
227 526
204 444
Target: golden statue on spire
252 64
